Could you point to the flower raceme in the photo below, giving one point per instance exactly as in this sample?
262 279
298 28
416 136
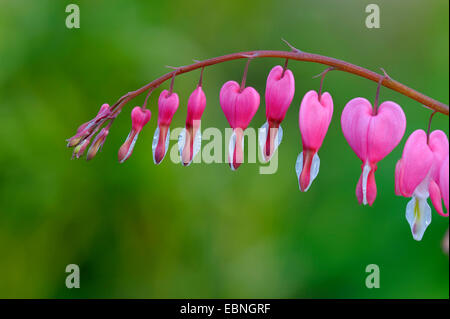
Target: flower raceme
167 106
371 131
372 135
314 118
280 89
239 107
190 139
139 117
417 174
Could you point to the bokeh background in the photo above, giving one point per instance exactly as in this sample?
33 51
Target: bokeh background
143 231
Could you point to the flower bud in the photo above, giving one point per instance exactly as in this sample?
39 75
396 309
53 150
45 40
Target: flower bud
97 144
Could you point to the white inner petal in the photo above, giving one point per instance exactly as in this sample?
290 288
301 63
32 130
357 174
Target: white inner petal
197 143
262 137
155 143
196 147
418 212
366 171
299 165
418 215
231 147
314 171
181 142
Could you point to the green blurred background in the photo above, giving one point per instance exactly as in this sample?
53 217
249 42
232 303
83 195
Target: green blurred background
138 230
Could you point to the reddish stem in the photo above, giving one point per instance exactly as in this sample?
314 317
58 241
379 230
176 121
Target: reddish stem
322 78
429 126
200 81
174 74
377 95
147 97
285 67
244 76
300 56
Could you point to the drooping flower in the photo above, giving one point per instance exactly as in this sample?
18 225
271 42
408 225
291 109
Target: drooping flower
280 89
97 144
372 136
86 129
239 107
167 106
190 139
416 174
139 117
314 118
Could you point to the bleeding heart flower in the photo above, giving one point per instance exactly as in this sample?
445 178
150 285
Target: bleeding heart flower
314 118
167 106
139 117
190 139
417 173
280 89
372 137
239 107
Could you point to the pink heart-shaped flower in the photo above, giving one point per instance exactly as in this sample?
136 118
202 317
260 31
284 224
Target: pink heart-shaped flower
372 137
239 106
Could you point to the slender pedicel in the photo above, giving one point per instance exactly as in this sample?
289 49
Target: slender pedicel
322 75
429 126
377 95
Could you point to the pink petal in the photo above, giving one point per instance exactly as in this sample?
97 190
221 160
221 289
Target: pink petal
443 182
167 106
314 119
398 177
438 144
436 199
195 106
355 122
247 103
239 107
417 160
279 93
228 95
139 117
385 131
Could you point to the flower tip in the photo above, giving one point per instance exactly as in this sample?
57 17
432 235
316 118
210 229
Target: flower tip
307 168
122 155
234 166
159 155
